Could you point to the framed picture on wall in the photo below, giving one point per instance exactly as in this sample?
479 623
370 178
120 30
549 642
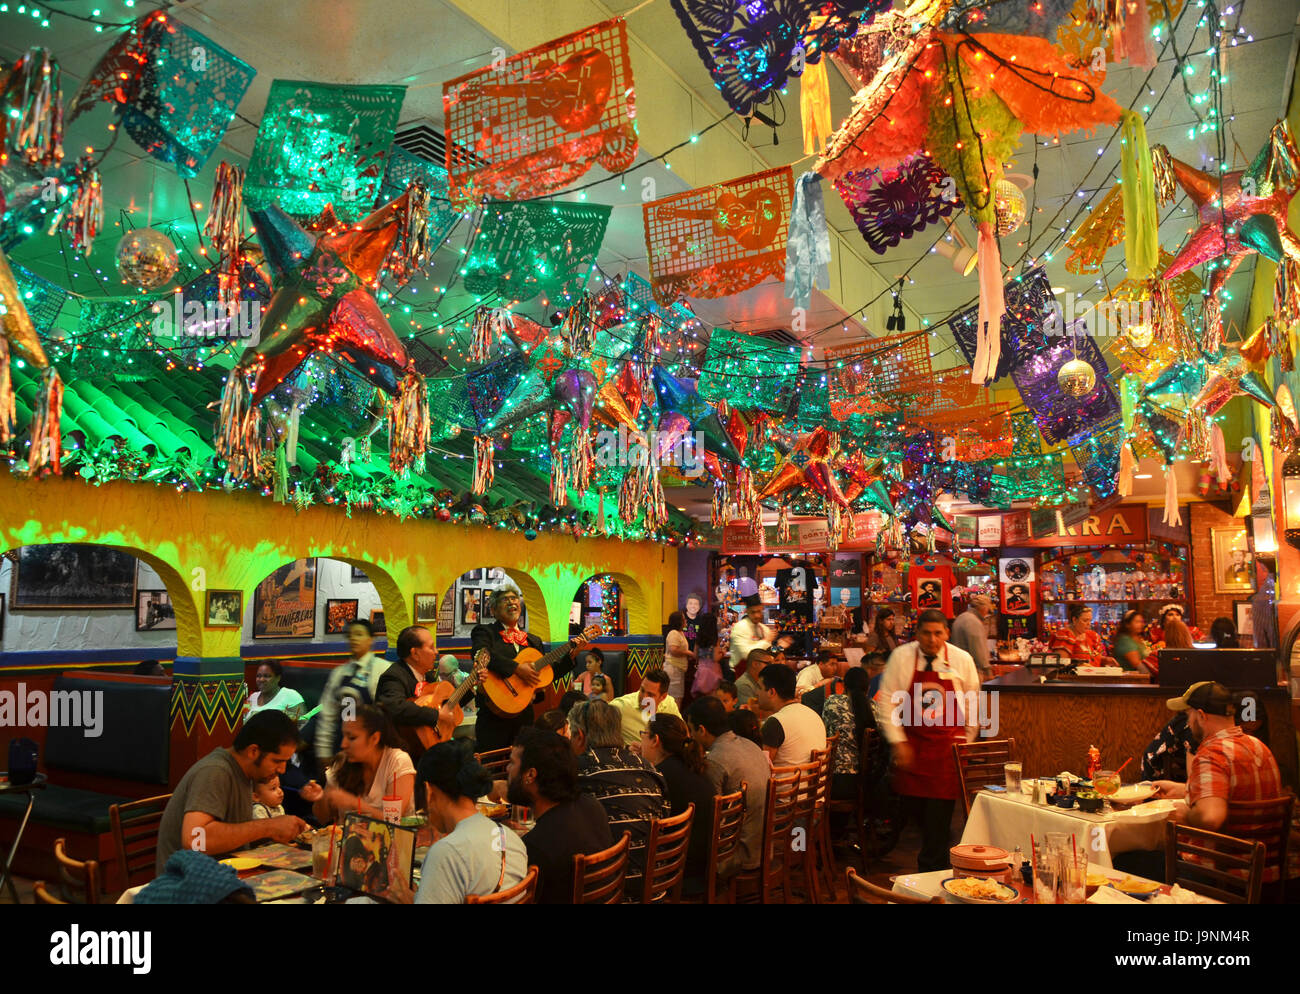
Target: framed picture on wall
471 605
72 576
447 614
338 612
284 604
1241 615
154 611
426 609
473 576
2 616
224 609
485 609
1234 571
377 622
359 575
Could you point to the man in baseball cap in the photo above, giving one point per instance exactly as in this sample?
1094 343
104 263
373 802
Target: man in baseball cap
1228 764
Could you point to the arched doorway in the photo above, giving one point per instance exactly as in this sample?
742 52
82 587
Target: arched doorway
599 600
313 599
465 603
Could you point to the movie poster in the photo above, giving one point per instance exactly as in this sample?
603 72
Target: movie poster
284 604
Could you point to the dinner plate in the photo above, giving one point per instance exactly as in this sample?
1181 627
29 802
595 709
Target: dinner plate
1138 895
1013 895
1151 811
239 863
1133 793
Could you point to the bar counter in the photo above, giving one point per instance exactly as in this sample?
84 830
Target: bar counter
1054 723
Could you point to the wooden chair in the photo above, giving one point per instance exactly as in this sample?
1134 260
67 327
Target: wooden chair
1218 866
865 892
772 874
135 837
598 878
821 814
665 857
1268 822
76 877
41 894
724 841
496 762
980 763
856 806
525 891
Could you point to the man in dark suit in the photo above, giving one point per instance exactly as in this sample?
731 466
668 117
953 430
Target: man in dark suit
415 658
502 641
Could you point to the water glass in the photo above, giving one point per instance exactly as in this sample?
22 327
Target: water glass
1074 877
321 855
1012 773
522 816
1047 868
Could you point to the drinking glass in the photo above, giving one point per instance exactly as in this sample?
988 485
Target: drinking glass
1047 868
1012 772
1074 877
321 855
522 816
1105 783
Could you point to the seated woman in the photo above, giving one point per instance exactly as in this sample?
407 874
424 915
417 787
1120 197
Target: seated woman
1176 636
371 766
1130 650
667 743
474 855
270 695
846 715
1078 640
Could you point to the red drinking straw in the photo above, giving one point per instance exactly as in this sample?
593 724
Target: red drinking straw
1121 769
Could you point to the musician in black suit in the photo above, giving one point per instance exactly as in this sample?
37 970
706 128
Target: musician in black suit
502 641
416 657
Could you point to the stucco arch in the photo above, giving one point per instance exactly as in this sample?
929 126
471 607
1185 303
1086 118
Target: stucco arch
539 616
639 620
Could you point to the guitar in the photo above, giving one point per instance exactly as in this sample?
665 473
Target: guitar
510 695
751 220
572 93
444 693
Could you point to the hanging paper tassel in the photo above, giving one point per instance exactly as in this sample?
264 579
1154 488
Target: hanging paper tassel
1212 339
408 424
1162 174
656 509
46 452
991 307
783 525
82 215
1135 38
1218 455
850 527
600 514
8 402
484 467
559 478
1127 467
480 336
718 508
411 249
580 460
815 107
32 106
238 427
578 330
895 537
1171 517
808 245
1137 187
280 487
225 228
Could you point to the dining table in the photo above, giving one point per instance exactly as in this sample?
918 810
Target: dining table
1009 821
929 885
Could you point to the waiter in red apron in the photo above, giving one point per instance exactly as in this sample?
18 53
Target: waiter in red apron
923 710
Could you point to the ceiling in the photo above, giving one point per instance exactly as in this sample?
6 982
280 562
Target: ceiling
421 43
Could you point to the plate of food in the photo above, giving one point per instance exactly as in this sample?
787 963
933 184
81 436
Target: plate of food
976 890
493 810
1143 890
1133 793
241 863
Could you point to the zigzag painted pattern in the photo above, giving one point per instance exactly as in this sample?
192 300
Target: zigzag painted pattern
207 699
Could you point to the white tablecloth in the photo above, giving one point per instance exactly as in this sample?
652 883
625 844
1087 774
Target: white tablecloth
927 885
1001 821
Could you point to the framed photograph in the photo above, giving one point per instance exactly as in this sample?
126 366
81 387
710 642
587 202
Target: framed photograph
473 576
154 611
377 858
426 609
359 575
338 612
72 576
485 609
471 605
496 573
284 604
377 622
1234 571
1240 610
447 614
225 609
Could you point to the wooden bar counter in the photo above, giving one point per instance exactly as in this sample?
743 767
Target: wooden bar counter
1054 723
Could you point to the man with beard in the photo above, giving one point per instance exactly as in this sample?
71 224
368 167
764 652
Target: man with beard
543 775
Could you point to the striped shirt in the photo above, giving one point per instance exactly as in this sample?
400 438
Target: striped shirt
632 792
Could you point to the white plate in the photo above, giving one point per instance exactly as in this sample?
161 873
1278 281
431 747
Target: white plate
1151 811
1133 793
1012 898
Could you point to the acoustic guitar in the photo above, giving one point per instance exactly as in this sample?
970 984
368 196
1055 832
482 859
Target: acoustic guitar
509 695
442 693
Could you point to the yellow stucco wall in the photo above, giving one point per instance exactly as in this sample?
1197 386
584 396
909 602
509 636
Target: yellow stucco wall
217 541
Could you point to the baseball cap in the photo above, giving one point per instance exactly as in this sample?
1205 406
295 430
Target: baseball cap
1207 696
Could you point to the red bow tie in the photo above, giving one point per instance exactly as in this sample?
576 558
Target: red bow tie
515 636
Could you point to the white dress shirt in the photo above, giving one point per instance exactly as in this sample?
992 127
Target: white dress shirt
745 635
955 668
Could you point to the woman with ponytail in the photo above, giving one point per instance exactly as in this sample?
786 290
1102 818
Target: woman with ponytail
846 715
667 744
474 855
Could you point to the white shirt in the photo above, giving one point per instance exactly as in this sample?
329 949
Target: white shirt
744 638
809 677
953 665
393 764
804 731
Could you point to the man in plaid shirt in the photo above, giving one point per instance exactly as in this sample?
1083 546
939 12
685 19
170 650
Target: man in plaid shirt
1228 764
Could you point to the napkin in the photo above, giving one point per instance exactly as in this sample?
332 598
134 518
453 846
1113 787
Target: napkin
1181 895
1109 895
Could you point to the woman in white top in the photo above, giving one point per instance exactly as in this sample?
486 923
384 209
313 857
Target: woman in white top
270 695
677 655
371 766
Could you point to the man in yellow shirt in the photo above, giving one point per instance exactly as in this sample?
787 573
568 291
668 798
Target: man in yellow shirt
637 708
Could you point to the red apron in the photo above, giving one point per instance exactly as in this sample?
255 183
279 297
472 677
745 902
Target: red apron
934 770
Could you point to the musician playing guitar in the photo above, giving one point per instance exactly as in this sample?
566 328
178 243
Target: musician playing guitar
502 641
416 657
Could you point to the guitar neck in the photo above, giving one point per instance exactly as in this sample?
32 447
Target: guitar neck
553 657
465 687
